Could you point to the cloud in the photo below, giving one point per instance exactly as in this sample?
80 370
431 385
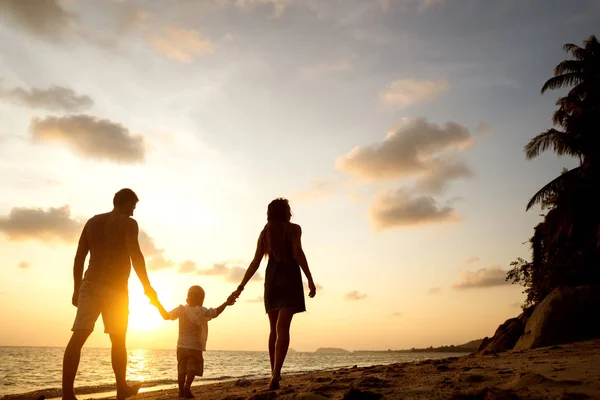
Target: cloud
36 223
399 208
471 260
327 68
90 137
483 128
45 19
258 299
187 267
181 44
23 265
279 6
155 257
441 172
482 278
55 98
231 274
396 314
319 189
355 295
403 93
413 148
435 290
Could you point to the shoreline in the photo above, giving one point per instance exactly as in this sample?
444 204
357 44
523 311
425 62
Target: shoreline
569 372
105 390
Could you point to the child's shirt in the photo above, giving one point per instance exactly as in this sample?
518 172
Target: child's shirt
193 326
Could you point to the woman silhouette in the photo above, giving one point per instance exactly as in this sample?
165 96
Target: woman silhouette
284 295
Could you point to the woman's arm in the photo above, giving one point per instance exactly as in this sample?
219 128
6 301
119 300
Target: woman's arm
301 259
252 268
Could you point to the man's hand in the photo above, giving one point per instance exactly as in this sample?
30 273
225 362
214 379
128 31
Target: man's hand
312 289
151 293
75 298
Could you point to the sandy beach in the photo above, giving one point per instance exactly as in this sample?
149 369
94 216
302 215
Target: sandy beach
570 371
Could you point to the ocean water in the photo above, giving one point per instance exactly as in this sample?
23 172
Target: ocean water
26 369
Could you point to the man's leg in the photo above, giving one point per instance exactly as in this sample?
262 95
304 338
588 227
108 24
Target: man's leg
272 336
187 390
282 344
181 384
71 362
118 356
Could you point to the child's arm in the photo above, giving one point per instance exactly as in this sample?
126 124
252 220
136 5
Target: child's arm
229 302
164 313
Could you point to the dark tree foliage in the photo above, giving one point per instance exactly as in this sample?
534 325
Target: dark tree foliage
565 246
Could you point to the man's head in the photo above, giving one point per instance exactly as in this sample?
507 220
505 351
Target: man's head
125 201
195 296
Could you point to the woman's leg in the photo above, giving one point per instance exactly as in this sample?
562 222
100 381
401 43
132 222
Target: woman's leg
282 343
272 336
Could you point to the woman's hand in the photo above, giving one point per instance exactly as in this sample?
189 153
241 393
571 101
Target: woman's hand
312 289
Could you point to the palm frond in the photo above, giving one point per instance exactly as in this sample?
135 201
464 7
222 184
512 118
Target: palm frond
552 138
578 52
568 66
552 187
556 82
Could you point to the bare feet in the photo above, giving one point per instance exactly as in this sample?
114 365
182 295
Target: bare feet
188 393
181 394
274 383
128 391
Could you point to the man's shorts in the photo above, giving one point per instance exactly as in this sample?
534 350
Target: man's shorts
190 360
95 299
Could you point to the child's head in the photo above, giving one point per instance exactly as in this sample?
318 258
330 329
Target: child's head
195 296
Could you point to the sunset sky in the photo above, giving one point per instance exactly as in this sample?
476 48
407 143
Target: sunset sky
395 128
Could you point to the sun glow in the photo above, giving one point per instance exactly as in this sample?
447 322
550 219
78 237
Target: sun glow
143 317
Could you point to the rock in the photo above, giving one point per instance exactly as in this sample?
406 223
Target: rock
442 368
302 396
565 315
505 337
243 382
484 342
355 394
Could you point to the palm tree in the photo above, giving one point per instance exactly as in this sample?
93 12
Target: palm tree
577 116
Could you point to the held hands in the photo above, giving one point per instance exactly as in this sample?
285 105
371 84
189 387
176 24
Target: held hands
152 296
231 299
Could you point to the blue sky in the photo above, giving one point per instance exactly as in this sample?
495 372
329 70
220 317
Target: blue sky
396 129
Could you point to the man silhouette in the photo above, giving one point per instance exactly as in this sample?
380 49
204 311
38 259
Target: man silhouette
112 241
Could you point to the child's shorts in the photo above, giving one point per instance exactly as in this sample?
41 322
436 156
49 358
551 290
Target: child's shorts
189 360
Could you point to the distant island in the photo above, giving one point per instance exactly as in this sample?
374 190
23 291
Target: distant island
468 347
331 350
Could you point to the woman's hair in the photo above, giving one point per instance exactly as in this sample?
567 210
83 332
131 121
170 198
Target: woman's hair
275 238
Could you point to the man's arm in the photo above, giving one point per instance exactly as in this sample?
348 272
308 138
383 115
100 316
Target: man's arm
78 265
137 258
